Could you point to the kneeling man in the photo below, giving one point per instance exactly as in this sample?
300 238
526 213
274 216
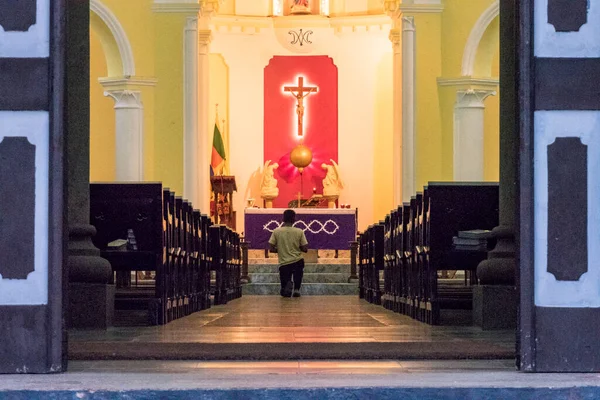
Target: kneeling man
289 243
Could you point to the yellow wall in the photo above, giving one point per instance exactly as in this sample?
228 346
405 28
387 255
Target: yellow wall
219 94
383 132
458 19
135 17
168 116
102 118
492 128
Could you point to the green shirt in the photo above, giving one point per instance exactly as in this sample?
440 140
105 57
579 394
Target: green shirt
288 240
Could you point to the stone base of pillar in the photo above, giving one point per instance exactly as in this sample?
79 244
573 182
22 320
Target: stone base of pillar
495 306
84 262
500 266
91 306
91 297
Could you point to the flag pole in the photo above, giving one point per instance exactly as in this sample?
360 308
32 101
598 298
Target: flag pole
223 135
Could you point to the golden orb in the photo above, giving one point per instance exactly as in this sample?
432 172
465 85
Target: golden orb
301 157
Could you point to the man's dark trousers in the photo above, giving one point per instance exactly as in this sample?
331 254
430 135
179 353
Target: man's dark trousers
287 271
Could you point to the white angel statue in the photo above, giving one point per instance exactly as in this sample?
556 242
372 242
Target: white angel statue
332 184
268 186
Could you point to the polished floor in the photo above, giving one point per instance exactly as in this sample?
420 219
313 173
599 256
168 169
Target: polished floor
260 319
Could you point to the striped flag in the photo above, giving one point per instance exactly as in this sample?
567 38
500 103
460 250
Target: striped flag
217 161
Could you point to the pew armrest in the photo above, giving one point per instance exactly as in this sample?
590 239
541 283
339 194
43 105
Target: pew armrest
131 260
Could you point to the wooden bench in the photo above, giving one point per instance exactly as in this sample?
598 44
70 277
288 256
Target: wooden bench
417 244
173 241
371 263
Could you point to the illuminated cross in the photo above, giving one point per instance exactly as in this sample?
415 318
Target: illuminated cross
300 92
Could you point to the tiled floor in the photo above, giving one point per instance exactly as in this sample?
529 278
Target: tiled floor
316 319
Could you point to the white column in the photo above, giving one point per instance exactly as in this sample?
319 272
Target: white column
395 37
204 133
129 134
191 185
469 135
408 108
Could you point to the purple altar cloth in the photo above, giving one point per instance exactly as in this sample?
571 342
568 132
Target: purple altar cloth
325 229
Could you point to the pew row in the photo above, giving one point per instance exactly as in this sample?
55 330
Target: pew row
401 258
189 262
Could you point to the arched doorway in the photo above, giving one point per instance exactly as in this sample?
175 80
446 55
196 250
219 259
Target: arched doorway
117 137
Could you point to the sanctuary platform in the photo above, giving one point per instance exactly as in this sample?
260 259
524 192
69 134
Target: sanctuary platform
324 274
276 328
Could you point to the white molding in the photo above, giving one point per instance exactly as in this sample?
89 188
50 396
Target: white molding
370 22
470 53
109 83
35 42
472 98
118 33
301 21
125 98
552 44
468 81
422 8
253 25
179 7
549 125
35 126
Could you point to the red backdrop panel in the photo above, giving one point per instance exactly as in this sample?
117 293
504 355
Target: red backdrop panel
281 121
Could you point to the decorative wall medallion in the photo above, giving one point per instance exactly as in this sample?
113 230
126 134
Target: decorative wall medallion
567 15
17 206
567 208
17 15
300 37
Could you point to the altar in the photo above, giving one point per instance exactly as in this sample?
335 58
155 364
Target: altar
325 228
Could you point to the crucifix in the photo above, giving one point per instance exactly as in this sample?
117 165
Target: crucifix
300 92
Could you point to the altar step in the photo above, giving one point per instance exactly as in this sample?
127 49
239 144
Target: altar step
308 278
319 280
308 269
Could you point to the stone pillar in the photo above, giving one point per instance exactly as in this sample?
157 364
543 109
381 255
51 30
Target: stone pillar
408 108
495 298
91 298
205 135
469 113
191 146
32 192
129 134
395 38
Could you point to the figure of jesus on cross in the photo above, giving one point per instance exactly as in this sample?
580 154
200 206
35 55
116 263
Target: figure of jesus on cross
300 92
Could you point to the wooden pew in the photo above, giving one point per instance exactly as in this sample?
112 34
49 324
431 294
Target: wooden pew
417 244
117 208
362 265
225 261
173 240
456 207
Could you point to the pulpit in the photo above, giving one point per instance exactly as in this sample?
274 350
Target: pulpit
223 188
